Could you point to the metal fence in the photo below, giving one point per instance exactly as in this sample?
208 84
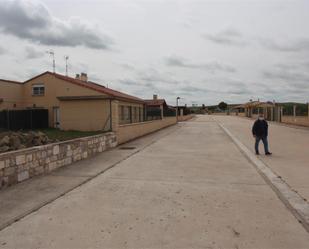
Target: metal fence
169 113
301 109
153 114
24 119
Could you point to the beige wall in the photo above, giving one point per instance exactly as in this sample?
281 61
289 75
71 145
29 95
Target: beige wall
129 132
85 115
299 120
219 113
54 88
11 93
185 117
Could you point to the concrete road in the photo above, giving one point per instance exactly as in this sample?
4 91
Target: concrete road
190 189
289 145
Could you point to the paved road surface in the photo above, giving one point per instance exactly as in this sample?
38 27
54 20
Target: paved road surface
290 147
190 189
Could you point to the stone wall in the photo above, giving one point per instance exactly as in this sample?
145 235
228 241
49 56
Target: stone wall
17 166
129 132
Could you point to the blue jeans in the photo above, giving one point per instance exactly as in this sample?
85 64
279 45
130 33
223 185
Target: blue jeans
265 142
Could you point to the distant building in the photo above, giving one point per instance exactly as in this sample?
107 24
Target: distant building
252 109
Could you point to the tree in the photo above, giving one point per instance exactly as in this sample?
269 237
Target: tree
223 106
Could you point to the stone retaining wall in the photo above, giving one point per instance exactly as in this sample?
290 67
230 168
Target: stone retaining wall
17 166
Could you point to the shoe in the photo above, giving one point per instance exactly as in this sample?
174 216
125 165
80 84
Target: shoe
268 153
257 153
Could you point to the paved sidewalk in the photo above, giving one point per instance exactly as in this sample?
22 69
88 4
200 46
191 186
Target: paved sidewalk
289 145
190 189
21 199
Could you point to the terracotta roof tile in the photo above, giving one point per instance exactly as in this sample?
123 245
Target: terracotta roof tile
95 86
11 81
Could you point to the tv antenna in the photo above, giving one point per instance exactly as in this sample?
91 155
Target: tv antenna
66 65
52 53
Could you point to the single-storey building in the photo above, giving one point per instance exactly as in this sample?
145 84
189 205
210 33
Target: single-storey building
252 109
72 103
156 104
159 106
10 94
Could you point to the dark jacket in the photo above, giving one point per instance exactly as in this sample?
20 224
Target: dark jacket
260 128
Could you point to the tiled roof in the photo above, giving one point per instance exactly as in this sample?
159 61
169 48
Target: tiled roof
95 86
10 81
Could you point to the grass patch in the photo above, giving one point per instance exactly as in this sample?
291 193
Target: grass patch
56 134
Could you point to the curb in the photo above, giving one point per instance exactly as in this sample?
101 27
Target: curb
298 206
85 181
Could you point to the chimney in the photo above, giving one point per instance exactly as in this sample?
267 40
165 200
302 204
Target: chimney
155 97
77 76
83 77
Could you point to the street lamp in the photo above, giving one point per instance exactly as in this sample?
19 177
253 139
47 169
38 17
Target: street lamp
177 99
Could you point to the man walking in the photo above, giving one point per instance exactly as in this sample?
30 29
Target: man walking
260 132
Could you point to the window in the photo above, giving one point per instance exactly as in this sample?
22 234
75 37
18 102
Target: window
38 90
135 114
125 114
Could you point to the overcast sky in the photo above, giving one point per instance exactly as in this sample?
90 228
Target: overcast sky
203 51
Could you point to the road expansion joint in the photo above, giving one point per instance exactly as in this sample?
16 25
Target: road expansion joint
83 181
294 202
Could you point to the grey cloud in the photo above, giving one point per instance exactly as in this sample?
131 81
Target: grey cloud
240 92
235 87
192 89
154 76
228 87
287 80
175 61
229 37
127 66
297 46
129 82
33 21
287 76
32 53
2 51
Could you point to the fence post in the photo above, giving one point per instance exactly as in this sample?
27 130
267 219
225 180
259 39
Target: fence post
8 118
115 116
31 126
294 112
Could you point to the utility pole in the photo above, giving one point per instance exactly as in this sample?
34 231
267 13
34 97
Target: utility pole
52 53
177 99
66 65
